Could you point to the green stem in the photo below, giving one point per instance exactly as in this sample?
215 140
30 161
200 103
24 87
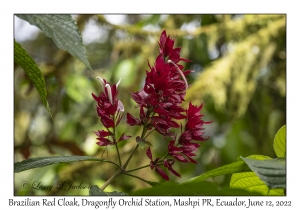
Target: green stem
138 168
149 133
165 156
137 146
118 155
128 160
121 170
118 172
115 141
148 182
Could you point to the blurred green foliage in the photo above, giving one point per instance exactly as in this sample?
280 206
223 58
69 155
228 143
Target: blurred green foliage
240 75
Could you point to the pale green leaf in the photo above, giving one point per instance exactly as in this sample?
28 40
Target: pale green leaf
226 169
280 142
33 72
251 182
64 32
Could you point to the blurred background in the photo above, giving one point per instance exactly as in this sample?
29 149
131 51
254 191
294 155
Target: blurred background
240 75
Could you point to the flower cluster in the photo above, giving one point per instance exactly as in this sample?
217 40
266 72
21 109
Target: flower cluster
160 104
109 109
160 109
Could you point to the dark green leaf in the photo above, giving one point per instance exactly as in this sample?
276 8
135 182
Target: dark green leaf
95 191
190 189
270 171
33 72
280 142
151 183
45 161
64 32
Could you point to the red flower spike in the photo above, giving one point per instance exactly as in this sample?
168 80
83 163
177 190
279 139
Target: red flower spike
108 109
162 95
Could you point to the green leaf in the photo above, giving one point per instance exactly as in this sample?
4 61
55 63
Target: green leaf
33 72
142 142
64 32
184 189
280 142
96 191
226 169
151 183
251 182
45 161
270 171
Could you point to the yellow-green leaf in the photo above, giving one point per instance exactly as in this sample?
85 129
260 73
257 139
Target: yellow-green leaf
249 181
267 173
280 142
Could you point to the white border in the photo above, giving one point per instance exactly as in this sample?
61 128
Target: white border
153 6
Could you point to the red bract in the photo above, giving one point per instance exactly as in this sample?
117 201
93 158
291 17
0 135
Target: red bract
168 164
105 141
102 140
154 165
194 126
165 44
132 120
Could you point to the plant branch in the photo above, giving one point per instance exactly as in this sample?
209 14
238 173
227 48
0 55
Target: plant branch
149 133
116 144
138 168
148 182
128 160
118 172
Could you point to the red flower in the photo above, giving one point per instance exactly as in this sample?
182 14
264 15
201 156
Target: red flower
166 48
194 126
105 141
109 104
186 149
